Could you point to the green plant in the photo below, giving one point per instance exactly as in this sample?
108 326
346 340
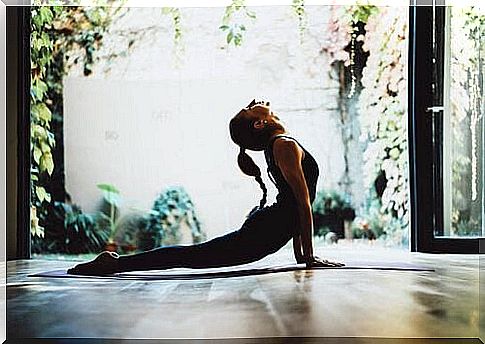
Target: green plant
373 217
61 36
174 12
331 202
128 228
112 197
383 116
235 30
298 7
347 28
176 16
83 232
330 209
171 209
72 231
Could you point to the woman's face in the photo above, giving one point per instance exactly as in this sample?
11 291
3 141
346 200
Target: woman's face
262 115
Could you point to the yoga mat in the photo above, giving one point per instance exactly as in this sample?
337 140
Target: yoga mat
191 274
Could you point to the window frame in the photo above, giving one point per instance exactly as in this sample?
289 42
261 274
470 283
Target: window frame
22 44
425 123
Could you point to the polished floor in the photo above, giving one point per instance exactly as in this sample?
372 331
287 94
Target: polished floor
305 303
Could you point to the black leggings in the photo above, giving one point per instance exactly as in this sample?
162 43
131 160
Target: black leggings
263 233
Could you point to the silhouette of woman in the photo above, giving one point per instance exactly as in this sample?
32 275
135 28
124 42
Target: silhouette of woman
266 229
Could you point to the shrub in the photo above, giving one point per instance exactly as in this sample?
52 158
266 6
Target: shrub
73 231
171 209
330 210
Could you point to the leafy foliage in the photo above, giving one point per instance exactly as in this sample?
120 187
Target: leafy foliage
383 109
112 197
42 139
379 96
171 209
72 231
330 209
298 7
234 31
331 202
57 34
176 15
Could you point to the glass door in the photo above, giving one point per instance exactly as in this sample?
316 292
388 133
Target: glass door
463 122
446 127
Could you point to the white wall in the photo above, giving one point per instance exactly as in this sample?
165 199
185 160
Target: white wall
142 123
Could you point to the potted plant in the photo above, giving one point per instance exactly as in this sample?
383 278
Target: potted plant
73 231
128 228
332 210
171 210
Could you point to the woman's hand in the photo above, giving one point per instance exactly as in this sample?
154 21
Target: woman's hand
315 261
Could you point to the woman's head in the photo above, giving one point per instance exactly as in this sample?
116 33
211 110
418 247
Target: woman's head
253 126
251 129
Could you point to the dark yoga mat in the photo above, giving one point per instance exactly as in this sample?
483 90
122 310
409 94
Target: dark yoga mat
190 274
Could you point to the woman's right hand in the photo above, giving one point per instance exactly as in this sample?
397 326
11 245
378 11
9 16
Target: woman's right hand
319 262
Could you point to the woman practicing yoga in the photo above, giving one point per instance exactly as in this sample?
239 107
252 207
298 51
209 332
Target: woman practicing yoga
266 229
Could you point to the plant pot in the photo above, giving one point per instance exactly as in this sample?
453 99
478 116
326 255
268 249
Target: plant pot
111 246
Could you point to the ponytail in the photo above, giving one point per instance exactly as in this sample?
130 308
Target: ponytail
247 166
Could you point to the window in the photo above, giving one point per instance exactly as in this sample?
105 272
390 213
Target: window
446 128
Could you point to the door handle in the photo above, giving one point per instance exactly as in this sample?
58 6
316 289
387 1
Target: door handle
435 109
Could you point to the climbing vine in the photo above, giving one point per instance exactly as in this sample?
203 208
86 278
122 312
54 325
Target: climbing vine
298 7
234 30
383 108
176 16
343 45
60 38
366 45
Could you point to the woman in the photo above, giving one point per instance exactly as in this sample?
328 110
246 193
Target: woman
266 229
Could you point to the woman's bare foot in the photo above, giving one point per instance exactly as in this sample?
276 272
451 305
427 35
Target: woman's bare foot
105 263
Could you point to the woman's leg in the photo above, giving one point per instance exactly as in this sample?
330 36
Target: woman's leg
259 236
231 249
252 242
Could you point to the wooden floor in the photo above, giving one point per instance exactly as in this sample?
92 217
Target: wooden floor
309 303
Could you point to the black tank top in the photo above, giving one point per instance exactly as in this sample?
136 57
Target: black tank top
310 170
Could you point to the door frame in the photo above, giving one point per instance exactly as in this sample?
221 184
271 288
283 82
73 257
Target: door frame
425 123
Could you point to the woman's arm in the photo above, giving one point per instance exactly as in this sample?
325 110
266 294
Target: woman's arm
288 156
297 249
